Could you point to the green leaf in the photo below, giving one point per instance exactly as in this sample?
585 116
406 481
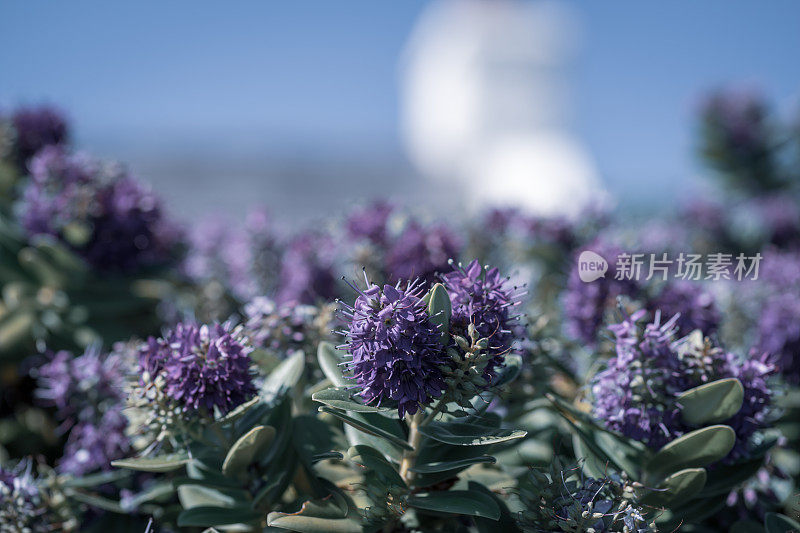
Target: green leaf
366 427
711 403
95 501
326 455
194 495
285 376
330 514
778 523
511 369
312 524
677 488
312 437
747 526
372 459
457 502
93 480
330 361
723 478
390 425
15 326
162 463
341 398
507 522
698 448
245 450
155 492
239 412
440 311
693 511
217 516
465 434
443 466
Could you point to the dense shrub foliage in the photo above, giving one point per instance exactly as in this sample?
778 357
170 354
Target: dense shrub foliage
385 371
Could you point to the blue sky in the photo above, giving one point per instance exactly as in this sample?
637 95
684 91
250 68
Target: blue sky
321 76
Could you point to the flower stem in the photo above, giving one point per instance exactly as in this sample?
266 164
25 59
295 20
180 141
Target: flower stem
410 456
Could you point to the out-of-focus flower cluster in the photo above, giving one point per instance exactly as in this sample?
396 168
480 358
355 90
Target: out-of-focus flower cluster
100 211
637 395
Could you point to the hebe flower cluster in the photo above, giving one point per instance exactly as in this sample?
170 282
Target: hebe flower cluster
694 306
23 505
779 333
307 270
281 329
102 213
395 348
486 300
778 299
564 499
636 394
241 259
88 393
586 304
370 223
35 128
421 252
204 368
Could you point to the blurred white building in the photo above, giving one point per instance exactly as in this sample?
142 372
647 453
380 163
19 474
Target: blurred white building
486 104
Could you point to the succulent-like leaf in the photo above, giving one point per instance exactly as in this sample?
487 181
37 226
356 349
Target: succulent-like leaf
162 463
330 514
372 459
440 310
698 448
285 376
245 450
692 511
158 491
723 478
239 411
217 516
312 437
778 523
466 434
390 450
330 361
677 488
507 522
511 369
366 427
457 502
15 326
341 398
747 526
444 466
200 496
712 403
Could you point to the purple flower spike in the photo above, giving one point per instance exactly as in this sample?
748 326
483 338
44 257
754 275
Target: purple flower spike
488 301
204 367
396 354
